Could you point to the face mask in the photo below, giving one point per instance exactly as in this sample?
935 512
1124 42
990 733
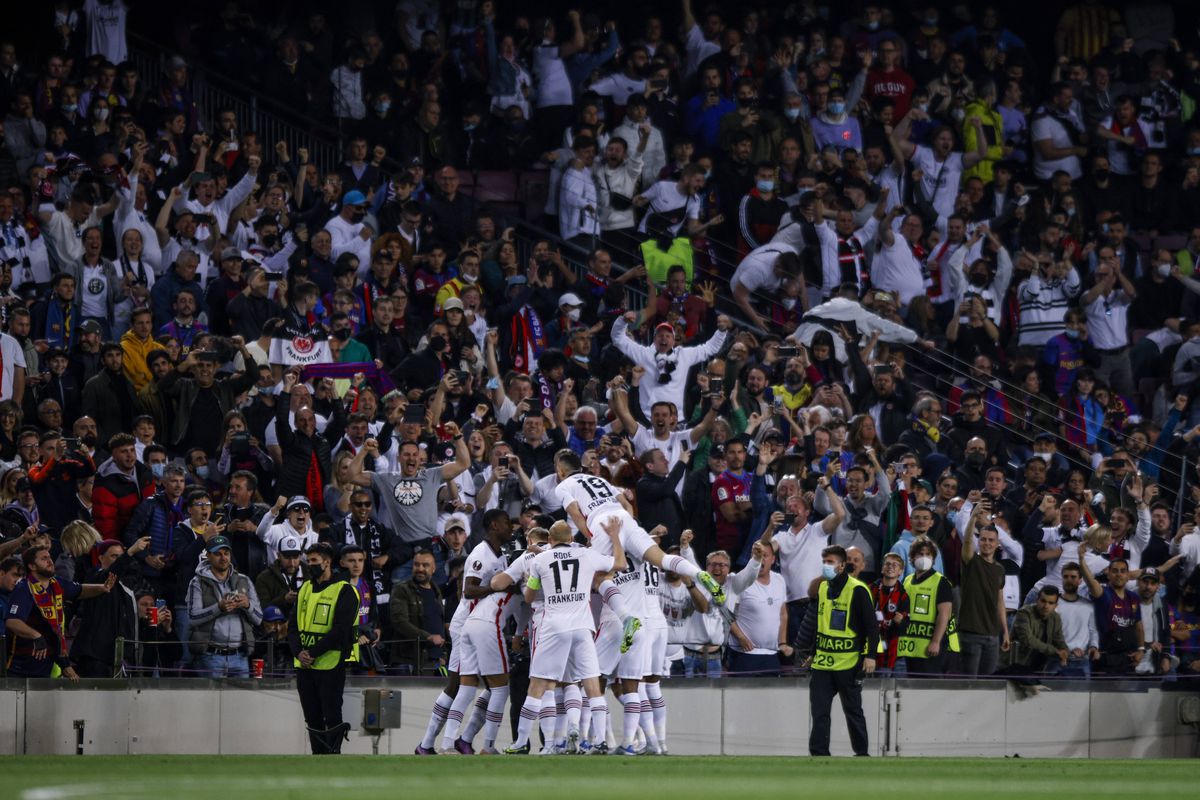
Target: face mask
573 314
923 107
270 239
1070 212
828 571
358 216
923 563
517 125
975 459
468 126
979 279
158 470
1101 175
959 114
791 113
202 471
1071 333
342 334
952 516
100 114
89 440
746 102
707 174
837 109
873 25
382 108
69 108
765 186
437 343
931 22
1163 270
1045 457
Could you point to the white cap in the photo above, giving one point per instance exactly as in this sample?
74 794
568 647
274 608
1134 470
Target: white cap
570 299
290 544
456 521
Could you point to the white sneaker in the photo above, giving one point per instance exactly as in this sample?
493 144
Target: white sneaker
547 751
572 746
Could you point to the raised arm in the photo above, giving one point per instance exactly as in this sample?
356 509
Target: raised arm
577 42
837 511
462 456
1094 587
899 138
971 159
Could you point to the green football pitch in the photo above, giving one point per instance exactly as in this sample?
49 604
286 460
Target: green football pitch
580 777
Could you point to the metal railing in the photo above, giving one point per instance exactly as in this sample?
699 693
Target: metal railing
214 92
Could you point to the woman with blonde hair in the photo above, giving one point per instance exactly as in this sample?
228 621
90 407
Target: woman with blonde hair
77 539
337 493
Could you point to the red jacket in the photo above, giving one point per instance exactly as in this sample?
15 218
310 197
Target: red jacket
115 496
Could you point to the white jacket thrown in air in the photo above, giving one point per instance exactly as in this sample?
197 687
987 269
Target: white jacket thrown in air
646 356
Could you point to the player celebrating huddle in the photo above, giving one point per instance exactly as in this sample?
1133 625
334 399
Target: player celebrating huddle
564 648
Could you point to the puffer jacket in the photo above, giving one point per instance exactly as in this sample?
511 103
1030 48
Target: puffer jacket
116 496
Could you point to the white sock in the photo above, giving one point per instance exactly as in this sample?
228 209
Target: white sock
477 717
495 715
560 714
680 566
573 702
585 719
462 701
609 737
613 599
658 705
646 719
597 709
547 717
632 715
441 707
529 715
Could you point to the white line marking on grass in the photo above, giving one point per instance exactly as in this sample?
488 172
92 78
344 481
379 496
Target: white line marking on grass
158 787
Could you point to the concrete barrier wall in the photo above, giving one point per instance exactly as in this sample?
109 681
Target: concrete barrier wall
724 717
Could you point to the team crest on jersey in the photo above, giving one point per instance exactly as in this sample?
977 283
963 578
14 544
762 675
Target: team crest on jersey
722 493
95 286
303 345
477 566
407 492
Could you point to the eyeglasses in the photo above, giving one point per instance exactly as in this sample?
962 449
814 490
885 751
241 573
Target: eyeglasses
301 510
201 505
362 505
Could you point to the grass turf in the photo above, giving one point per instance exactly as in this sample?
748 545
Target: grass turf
580 778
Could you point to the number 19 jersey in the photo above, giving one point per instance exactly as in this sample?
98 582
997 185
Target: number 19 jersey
564 573
594 496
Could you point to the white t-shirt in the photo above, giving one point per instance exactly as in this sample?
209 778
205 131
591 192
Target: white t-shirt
758 615
95 291
1049 128
483 562
939 180
545 494
550 74
896 269
757 270
665 197
800 557
564 574
11 356
620 87
1120 157
106 29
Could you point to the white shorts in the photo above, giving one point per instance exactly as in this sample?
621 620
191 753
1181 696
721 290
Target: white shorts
456 646
656 652
634 664
484 652
608 644
559 654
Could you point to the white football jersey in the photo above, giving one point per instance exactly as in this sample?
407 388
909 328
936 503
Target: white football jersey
593 495
652 578
483 563
565 574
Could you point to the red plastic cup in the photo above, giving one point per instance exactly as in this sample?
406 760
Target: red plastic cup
152 616
256 667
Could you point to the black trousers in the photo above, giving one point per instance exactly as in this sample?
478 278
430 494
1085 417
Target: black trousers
846 684
321 696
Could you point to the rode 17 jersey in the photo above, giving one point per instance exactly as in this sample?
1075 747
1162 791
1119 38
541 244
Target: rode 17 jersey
564 574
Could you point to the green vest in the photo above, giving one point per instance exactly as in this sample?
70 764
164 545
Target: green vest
314 616
922 616
836 637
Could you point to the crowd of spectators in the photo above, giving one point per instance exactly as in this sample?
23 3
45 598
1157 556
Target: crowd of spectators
913 279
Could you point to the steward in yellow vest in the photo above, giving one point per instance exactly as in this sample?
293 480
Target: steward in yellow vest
847 639
322 633
931 624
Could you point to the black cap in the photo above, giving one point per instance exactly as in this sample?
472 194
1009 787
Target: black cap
717 451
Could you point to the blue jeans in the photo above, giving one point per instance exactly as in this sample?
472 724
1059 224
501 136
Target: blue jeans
704 665
753 665
218 666
1076 667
